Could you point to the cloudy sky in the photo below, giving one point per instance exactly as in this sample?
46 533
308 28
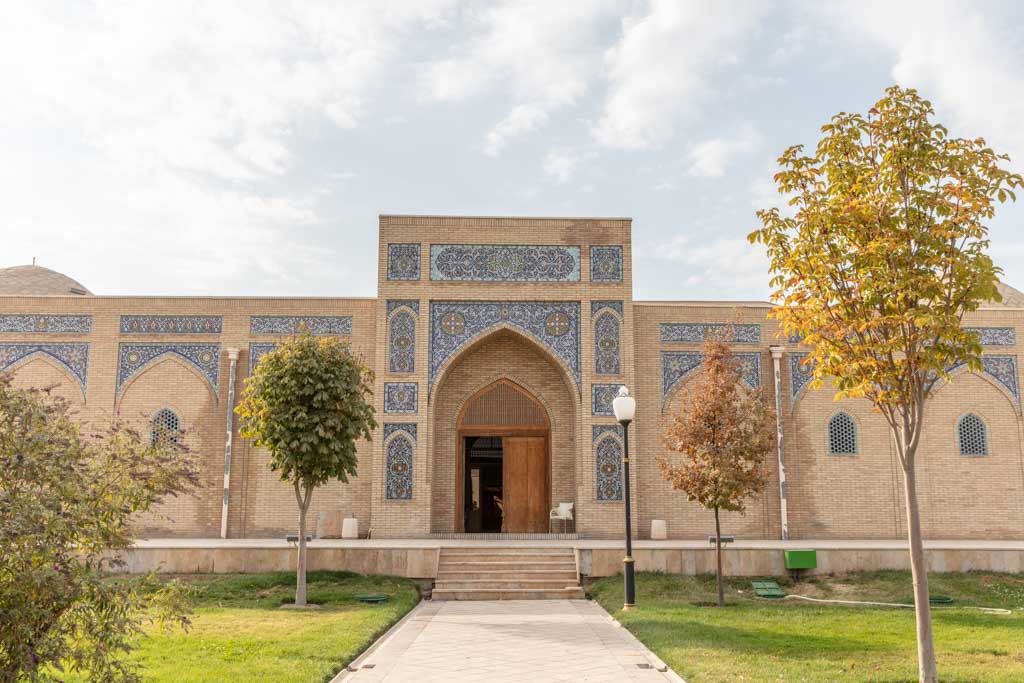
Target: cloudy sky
247 148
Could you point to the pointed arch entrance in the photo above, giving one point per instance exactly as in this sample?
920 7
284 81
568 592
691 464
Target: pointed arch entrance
503 473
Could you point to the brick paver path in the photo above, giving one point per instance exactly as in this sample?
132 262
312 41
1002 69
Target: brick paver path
513 641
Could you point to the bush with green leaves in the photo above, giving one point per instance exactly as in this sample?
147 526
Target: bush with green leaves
67 498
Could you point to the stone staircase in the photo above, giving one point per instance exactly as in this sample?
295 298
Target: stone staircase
501 573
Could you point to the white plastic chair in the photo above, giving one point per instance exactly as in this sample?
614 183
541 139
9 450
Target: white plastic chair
563 513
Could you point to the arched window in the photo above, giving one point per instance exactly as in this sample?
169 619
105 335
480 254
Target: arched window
165 428
973 435
842 435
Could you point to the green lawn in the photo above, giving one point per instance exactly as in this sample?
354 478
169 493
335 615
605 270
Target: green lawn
240 633
753 639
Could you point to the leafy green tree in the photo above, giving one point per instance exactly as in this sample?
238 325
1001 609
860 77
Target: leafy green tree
66 503
308 402
884 253
724 432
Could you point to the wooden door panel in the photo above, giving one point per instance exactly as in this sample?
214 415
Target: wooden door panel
525 484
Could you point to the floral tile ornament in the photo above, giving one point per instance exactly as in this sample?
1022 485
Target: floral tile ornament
402 342
995 336
697 333
606 263
608 462
320 325
171 324
399 468
401 397
257 351
392 427
132 358
46 324
554 324
677 365
607 360
597 306
403 262
601 397
74 357
504 263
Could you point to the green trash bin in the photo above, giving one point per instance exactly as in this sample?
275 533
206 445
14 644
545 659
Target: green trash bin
801 559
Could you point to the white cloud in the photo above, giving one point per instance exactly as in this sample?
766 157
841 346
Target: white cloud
543 54
661 69
710 158
722 265
523 119
560 164
964 57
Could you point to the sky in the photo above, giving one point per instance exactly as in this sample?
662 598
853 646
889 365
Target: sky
229 148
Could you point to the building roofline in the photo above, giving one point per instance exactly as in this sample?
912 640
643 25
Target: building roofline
506 217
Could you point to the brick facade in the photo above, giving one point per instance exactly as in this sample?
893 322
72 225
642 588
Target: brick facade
546 304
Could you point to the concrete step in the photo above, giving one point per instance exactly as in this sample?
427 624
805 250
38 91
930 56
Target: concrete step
569 577
572 593
563 552
506 557
507 565
502 584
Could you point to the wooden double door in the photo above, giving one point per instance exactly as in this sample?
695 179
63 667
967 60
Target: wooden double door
526 480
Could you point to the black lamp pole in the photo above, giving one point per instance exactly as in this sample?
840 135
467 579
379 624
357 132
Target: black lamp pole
627 561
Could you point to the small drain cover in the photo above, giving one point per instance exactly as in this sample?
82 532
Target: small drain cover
767 589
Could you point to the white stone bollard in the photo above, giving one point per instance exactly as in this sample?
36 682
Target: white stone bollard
659 531
350 528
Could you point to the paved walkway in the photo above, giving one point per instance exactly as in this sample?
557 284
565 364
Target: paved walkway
509 641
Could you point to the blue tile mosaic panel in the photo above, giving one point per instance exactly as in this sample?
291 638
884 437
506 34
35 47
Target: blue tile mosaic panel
403 261
504 263
402 342
606 264
74 357
392 427
601 397
608 463
46 324
401 397
292 324
171 324
596 306
676 365
800 374
399 468
995 336
606 345
256 351
697 333
412 304
131 358
554 324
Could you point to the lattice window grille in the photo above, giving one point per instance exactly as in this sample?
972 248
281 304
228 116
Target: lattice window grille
842 435
973 435
166 427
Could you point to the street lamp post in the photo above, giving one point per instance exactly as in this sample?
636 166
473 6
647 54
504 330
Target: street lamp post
624 407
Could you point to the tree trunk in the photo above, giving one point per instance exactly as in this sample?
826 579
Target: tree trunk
300 565
718 560
927 669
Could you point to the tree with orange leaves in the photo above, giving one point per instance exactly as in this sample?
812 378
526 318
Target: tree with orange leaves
724 432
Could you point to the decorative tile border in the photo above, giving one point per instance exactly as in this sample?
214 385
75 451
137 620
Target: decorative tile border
608 462
132 358
606 263
676 365
412 304
554 324
504 263
607 359
399 468
995 336
292 324
256 351
46 324
407 427
401 397
73 356
697 333
403 261
601 397
596 306
1003 369
171 324
402 342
